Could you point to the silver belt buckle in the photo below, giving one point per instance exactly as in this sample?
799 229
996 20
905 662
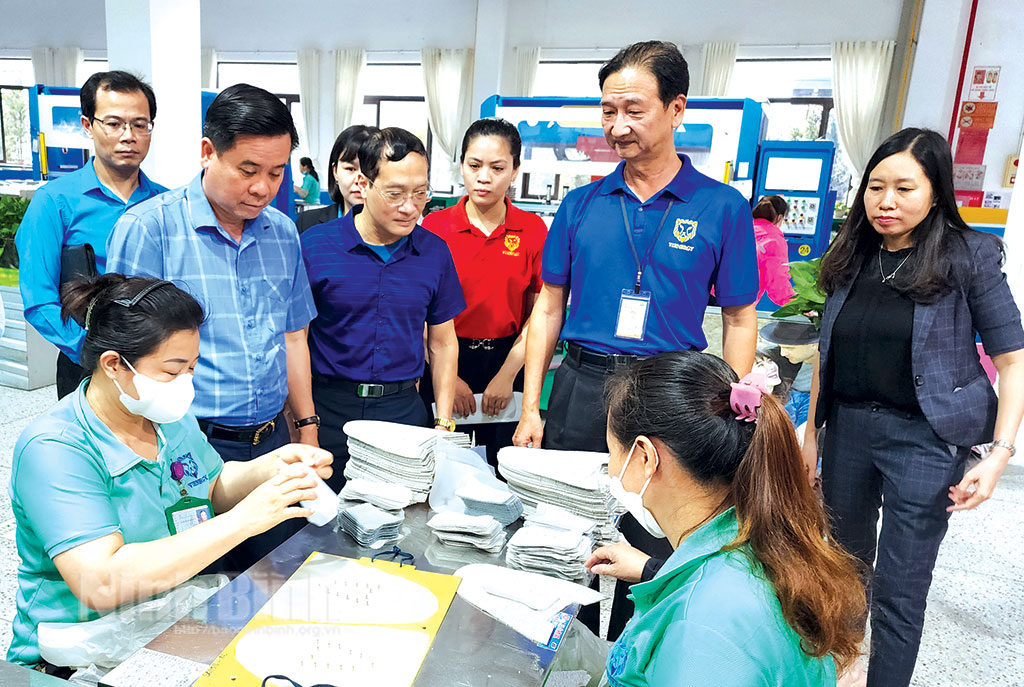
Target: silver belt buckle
370 391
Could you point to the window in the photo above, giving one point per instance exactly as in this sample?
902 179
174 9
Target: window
394 94
799 105
15 141
576 79
16 71
90 66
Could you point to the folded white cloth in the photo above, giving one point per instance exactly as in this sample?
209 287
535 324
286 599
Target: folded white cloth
525 601
458 529
386 496
509 413
548 551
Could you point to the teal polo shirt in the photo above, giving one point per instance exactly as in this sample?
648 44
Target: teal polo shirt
709 618
706 241
73 481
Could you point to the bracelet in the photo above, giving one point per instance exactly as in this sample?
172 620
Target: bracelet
1005 444
445 422
311 420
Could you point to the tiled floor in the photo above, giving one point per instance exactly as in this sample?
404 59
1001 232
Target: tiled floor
974 633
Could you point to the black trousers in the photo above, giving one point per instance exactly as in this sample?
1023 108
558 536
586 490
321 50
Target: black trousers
69 375
875 457
246 554
477 367
576 421
336 406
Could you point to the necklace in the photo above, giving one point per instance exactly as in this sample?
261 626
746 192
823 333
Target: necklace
891 276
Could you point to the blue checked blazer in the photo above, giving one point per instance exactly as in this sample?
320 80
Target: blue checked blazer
952 388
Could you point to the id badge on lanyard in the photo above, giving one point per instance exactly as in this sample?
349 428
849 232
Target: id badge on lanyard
189 510
634 304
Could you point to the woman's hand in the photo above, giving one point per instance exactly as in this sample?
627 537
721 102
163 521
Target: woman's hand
312 456
272 502
982 477
618 560
497 395
465 402
809 452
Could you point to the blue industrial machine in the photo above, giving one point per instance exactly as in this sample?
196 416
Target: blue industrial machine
800 172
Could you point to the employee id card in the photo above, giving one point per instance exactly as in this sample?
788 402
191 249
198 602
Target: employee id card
188 512
633 310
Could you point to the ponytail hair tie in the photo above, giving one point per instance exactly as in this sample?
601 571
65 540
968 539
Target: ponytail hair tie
745 397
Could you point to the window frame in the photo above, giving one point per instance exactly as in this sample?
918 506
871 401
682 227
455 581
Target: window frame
3 138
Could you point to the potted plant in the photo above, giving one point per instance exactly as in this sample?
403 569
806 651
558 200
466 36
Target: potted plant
12 209
809 300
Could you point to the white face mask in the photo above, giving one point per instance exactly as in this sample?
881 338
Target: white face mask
159 402
634 503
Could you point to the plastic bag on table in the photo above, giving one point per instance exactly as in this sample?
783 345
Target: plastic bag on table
97 646
581 650
455 468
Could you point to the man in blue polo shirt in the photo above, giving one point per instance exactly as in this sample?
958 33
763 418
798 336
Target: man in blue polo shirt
79 209
217 239
377 279
639 252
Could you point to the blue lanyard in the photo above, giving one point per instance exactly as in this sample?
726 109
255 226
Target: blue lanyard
629 235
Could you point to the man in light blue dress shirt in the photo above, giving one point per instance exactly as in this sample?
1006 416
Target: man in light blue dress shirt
80 208
217 239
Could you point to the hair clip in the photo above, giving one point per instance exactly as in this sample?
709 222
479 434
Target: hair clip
132 302
745 397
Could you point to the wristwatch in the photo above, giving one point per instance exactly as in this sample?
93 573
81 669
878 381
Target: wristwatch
311 420
1005 444
445 422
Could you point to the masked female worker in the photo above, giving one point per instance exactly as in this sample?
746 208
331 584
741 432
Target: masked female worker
114 489
753 594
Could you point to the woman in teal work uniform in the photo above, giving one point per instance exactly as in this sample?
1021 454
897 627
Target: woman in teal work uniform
753 594
114 487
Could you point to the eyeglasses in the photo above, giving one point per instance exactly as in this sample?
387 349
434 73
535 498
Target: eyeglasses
115 126
397 198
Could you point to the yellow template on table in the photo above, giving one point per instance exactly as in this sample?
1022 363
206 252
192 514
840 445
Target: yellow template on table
340 621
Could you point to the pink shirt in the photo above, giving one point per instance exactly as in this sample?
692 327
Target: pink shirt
772 263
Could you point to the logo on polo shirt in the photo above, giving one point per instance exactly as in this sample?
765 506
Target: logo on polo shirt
191 468
684 230
511 245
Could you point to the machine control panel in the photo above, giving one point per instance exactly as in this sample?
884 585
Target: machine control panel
802 218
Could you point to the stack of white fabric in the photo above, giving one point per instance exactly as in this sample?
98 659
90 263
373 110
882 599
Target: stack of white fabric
396 454
385 496
457 529
560 553
480 499
574 480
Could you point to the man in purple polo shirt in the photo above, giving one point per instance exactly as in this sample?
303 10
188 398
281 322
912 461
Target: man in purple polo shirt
377 278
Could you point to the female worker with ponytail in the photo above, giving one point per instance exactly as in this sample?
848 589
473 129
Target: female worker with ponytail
115 488
753 593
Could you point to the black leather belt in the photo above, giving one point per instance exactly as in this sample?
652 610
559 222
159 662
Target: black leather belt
607 362
252 434
367 389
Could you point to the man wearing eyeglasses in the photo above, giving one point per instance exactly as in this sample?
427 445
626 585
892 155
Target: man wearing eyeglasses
69 218
378 278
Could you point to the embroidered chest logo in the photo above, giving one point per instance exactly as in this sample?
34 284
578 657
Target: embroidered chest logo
511 245
190 470
684 230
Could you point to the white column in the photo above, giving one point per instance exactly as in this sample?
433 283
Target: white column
931 92
489 53
159 40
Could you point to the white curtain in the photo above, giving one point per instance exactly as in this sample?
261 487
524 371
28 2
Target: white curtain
526 61
56 66
448 75
860 76
309 98
719 59
208 77
347 66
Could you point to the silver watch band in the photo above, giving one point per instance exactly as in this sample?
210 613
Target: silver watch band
1005 444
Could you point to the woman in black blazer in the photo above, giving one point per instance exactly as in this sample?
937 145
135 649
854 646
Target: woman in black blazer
902 390
342 173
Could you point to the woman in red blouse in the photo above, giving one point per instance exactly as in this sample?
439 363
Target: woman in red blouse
497 252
